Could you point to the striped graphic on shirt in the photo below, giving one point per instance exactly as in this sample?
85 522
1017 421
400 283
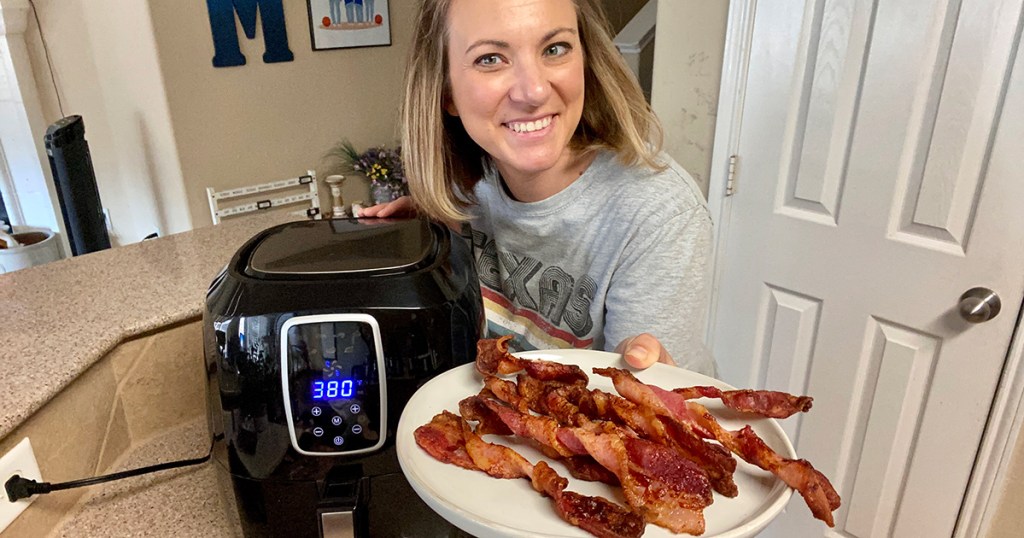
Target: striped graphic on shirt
504 318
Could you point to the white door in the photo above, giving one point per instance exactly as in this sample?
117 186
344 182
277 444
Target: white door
880 174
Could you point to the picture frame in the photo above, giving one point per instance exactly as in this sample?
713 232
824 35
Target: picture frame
342 24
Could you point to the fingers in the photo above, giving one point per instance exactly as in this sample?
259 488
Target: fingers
379 210
369 211
389 209
401 207
643 350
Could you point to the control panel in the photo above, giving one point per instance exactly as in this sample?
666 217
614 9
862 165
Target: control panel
334 384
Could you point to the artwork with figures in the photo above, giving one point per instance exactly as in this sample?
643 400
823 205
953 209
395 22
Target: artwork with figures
336 24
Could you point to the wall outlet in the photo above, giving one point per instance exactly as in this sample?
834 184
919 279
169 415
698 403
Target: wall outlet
19 461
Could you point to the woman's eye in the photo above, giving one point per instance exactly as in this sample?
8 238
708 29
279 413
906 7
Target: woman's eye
488 60
558 49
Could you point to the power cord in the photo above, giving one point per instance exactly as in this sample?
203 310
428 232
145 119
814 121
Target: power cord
46 51
22 488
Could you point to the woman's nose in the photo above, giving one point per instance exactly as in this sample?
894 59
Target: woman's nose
531 85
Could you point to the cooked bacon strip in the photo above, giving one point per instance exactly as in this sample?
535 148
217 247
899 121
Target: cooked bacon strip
493 358
666 488
533 391
488 422
507 392
544 430
498 461
714 460
491 353
799 474
541 428
587 468
442 439
595 515
643 395
582 466
767 403
563 404
667 493
813 486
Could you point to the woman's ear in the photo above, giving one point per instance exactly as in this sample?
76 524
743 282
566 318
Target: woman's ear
449 107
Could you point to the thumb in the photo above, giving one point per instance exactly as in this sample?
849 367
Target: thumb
640 351
643 350
640 357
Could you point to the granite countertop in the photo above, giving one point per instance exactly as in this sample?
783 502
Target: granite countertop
61 317
177 502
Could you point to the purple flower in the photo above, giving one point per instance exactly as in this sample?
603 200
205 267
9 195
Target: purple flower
381 164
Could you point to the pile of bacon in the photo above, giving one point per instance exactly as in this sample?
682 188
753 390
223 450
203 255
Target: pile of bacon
653 443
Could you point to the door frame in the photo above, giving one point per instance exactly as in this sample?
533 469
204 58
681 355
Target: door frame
1006 416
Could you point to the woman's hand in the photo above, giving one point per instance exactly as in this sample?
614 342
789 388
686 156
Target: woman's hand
643 350
400 207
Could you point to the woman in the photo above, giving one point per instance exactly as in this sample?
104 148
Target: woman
521 117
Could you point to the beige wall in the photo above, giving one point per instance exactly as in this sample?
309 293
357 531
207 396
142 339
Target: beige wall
687 68
1007 502
261 122
1008 520
163 124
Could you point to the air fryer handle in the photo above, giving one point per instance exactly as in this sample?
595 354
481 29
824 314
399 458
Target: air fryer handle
343 504
340 524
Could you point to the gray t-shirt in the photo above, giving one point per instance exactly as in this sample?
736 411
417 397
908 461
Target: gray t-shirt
619 252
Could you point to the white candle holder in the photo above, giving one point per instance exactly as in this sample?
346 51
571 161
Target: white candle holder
337 204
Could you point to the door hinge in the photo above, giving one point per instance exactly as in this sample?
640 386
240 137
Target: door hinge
730 184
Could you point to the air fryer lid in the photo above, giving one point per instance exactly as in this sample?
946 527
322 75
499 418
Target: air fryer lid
342 246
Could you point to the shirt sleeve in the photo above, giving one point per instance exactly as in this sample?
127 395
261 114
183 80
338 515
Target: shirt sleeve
662 286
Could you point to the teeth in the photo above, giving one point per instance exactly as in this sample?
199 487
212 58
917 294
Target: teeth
530 126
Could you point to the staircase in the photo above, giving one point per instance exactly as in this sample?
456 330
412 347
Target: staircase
636 44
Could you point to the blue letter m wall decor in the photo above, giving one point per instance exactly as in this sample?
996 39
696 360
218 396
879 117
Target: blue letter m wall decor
225 37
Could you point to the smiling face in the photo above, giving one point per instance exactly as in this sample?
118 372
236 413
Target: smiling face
516 78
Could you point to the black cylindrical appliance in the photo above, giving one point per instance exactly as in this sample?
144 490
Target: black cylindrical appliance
316 334
75 182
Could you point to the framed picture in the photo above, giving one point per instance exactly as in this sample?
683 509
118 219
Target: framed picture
340 24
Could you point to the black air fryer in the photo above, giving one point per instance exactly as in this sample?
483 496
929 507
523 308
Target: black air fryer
316 334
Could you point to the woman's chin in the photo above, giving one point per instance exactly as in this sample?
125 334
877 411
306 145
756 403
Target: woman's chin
528 164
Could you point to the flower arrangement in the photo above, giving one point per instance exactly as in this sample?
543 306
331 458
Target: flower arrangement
381 165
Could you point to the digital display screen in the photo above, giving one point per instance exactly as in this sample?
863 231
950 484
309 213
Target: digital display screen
334 389
338 357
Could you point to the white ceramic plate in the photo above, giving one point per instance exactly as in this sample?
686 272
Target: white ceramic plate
485 506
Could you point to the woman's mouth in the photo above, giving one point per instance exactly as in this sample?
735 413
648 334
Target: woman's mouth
529 126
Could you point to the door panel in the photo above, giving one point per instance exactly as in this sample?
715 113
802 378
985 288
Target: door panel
899 362
814 160
878 179
788 326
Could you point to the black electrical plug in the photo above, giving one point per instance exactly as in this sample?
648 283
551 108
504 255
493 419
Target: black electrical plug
22 488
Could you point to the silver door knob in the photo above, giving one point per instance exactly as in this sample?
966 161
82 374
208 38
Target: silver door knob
978 305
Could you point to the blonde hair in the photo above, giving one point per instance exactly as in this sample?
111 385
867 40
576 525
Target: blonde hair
443 164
